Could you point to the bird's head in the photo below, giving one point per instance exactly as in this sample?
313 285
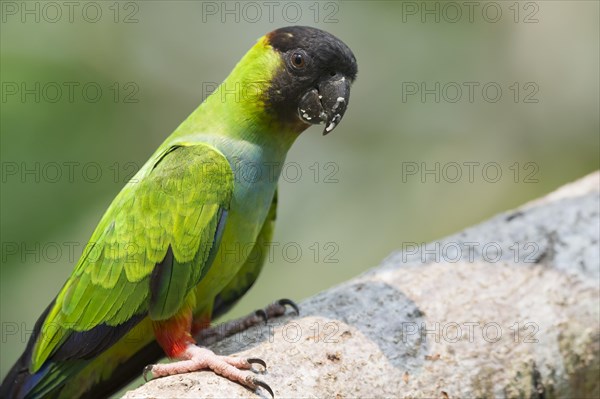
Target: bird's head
312 83
292 78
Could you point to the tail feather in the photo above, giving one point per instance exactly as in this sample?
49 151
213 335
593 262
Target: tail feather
19 382
15 382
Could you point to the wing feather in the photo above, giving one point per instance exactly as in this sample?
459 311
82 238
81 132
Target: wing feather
167 217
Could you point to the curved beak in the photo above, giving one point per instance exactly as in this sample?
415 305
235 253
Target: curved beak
326 103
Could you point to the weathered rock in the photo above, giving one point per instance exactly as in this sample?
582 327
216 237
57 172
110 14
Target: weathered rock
506 308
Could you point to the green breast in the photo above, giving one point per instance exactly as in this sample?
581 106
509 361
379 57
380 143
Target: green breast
256 170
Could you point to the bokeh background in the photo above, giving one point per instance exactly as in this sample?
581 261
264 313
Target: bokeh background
66 154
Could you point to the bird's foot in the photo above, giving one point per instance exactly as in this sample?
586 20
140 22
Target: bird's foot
209 336
196 358
278 308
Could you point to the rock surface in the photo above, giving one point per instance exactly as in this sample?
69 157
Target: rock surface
507 308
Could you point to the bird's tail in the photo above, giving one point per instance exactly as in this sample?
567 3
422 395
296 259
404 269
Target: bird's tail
19 382
16 379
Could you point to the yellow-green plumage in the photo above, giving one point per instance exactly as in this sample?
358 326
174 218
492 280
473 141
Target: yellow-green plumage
125 254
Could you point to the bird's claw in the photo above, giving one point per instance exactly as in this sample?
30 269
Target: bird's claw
290 303
255 382
255 360
147 369
278 308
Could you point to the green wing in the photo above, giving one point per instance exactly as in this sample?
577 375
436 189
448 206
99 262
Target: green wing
247 275
150 249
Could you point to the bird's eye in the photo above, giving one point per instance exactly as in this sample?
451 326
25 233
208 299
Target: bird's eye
298 60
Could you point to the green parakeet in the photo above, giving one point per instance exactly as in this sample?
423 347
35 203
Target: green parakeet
165 257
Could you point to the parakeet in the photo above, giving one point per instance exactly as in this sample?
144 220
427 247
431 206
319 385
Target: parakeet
166 256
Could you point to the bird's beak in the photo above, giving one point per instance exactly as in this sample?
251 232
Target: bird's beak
326 103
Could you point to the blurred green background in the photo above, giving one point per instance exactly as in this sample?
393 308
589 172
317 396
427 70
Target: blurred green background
64 160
